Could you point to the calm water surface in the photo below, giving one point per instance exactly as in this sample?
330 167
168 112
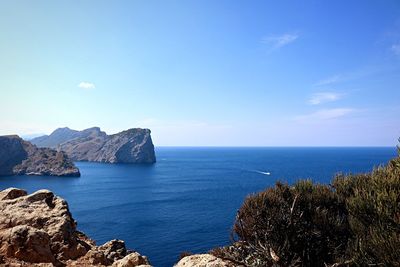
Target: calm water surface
187 201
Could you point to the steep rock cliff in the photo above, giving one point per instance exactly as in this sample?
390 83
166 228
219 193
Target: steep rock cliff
130 146
19 157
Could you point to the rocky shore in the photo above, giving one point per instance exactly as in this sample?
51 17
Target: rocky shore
19 157
38 230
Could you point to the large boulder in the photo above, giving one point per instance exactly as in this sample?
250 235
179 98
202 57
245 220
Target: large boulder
204 260
131 260
38 230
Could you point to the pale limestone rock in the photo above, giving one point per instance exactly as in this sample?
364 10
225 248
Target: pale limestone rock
132 260
114 250
38 230
12 193
204 260
26 243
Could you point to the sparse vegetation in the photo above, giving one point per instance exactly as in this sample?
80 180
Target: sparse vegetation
355 221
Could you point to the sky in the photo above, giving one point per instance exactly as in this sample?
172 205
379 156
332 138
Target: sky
204 73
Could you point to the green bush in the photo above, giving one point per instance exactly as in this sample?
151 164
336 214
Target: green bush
353 222
303 225
373 203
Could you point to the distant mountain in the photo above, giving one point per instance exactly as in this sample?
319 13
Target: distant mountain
57 137
18 157
28 137
130 146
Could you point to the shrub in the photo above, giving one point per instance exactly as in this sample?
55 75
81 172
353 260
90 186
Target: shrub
373 203
353 222
289 226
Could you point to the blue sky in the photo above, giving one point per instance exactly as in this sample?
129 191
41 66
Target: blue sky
205 73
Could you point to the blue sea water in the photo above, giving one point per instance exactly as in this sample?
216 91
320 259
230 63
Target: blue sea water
187 201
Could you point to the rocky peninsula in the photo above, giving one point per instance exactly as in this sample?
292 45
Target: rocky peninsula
131 146
19 157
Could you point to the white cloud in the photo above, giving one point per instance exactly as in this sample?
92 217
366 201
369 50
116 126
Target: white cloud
325 114
396 49
329 80
361 73
323 97
86 85
279 41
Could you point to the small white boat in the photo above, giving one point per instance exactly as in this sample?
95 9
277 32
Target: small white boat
265 173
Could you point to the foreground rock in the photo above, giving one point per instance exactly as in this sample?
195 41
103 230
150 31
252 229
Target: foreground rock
130 146
19 157
38 230
204 260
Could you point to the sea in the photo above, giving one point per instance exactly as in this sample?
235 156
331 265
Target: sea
187 201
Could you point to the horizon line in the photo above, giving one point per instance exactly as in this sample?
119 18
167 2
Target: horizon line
273 146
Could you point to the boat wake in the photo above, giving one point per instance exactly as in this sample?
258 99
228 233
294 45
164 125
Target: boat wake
261 172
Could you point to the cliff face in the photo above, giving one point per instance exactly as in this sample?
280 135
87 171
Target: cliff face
130 146
19 157
38 230
12 153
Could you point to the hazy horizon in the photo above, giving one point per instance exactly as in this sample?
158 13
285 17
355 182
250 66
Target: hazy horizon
205 73
29 137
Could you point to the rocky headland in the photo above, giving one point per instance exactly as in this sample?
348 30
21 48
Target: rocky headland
38 230
130 146
19 157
